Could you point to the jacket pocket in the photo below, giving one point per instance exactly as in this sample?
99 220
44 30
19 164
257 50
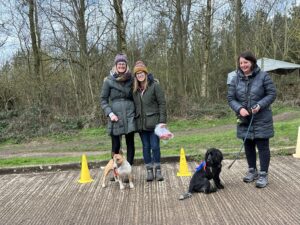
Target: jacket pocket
109 127
151 120
117 128
131 124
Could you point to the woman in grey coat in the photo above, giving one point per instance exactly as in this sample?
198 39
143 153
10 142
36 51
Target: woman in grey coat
150 107
251 93
117 104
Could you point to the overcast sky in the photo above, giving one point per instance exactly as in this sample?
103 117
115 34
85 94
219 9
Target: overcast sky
12 42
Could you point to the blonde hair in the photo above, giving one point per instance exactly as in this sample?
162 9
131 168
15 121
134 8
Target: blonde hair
137 84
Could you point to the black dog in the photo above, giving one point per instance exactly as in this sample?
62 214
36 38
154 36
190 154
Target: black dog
207 176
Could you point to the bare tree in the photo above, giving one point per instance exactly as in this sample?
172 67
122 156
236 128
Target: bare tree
2 30
35 39
207 41
238 12
120 26
179 40
66 46
71 23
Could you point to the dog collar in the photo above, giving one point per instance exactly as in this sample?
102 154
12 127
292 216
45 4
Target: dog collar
202 165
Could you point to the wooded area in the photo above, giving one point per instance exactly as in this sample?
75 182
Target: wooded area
65 48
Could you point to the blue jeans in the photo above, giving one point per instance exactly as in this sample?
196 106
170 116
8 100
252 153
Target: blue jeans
150 142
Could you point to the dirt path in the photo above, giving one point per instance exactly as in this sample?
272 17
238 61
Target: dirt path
76 148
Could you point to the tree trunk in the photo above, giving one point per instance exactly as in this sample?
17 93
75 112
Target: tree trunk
207 41
35 43
120 26
180 50
185 41
238 9
80 9
286 49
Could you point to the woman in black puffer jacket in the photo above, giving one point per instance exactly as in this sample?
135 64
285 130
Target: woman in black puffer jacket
251 93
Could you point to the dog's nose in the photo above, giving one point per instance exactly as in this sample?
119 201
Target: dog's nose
209 158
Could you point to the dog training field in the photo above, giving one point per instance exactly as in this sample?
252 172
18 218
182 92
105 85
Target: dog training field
57 198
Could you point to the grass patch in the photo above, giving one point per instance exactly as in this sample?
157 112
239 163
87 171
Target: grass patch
278 108
189 134
285 133
33 161
181 125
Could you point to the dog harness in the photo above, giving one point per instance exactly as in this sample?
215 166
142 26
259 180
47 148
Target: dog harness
115 172
202 165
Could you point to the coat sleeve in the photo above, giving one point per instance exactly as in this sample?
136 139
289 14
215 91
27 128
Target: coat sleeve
160 96
104 97
270 92
231 96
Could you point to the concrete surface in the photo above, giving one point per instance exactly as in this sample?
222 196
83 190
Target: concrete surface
53 198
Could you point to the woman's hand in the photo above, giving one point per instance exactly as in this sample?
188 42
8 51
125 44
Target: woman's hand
244 112
113 117
255 109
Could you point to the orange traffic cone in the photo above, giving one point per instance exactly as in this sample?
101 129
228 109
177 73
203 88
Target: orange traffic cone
183 166
85 173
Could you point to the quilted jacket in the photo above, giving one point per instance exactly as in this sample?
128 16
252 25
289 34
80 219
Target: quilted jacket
247 91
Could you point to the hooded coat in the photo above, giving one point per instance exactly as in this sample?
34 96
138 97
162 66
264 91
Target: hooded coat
116 97
150 106
246 92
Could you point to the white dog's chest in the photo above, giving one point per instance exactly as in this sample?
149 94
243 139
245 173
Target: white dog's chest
124 169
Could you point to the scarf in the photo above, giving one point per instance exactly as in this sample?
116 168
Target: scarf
120 77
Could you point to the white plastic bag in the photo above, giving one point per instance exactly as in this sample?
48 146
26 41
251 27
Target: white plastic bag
162 132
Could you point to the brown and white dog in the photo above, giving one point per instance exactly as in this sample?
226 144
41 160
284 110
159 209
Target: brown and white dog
120 168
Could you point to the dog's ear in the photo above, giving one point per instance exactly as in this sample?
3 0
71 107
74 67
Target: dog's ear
219 156
207 154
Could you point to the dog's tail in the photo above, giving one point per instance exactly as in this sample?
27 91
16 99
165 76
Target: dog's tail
185 195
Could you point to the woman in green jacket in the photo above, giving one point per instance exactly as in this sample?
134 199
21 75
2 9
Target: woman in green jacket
117 104
150 106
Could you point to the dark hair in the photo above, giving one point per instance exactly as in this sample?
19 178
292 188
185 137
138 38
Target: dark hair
249 56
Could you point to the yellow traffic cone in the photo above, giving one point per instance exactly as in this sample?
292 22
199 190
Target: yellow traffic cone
297 154
85 173
183 166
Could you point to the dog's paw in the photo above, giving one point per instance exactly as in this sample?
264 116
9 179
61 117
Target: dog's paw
220 186
103 185
185 195
131 185
122 187
212 186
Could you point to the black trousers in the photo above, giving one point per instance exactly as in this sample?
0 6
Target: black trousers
263 152
116 145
